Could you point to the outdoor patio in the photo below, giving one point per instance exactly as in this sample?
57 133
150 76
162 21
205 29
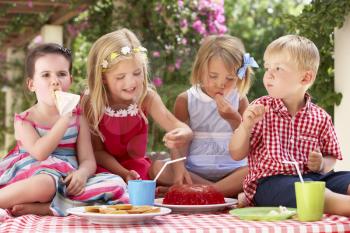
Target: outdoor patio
76 24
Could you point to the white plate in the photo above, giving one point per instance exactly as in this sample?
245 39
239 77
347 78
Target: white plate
197 208
116 219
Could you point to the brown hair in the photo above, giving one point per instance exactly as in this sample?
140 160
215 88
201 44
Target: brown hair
42 50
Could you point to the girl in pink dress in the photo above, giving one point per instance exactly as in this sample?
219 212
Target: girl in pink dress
54 160
116 106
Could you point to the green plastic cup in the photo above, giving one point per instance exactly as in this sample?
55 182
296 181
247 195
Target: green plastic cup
310 200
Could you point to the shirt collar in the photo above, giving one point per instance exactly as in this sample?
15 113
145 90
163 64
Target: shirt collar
197 91
278 105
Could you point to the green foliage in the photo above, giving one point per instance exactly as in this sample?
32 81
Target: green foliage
22 97
165 28
257 23
270 19
317 22
100 13
31 22
20 22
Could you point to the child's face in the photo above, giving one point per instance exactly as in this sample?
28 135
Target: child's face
51 73
124 82
282 78
218 80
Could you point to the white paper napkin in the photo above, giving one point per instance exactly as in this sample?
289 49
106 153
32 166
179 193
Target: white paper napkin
66 102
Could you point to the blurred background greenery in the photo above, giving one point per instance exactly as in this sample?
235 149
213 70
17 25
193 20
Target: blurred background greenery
172 30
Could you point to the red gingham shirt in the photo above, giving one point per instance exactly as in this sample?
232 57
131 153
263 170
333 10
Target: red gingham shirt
278 137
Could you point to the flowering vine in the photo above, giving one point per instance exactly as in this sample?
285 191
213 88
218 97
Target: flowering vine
190 21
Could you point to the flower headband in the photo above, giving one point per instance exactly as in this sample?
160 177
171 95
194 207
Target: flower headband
248 61
123 51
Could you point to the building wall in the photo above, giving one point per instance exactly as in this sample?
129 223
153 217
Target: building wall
342 84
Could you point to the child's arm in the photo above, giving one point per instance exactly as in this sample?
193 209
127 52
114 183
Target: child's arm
243 105
318 163
178 133
107 161
324 157
181 108
87 165
239 144
181 112
328 164
41 147
226 111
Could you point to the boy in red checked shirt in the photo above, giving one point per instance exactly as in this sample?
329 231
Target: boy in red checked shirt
286 125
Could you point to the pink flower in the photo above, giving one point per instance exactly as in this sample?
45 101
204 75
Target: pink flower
183 23
73 32
156 54
199 27
212 28
203 4
30 4
220 18
158 7
2 56
178 63
211 17
82 26
222 29
184 41
157 81
180 3
38 39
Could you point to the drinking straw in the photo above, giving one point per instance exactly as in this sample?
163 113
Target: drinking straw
297 167
169 162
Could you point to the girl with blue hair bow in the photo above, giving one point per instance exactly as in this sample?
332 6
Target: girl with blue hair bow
213 108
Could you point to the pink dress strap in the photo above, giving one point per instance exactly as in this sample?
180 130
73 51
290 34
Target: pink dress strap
77 112
23 117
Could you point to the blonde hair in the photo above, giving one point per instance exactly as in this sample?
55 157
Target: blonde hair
231 50
95 102
300 49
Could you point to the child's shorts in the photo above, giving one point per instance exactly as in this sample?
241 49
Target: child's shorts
279 190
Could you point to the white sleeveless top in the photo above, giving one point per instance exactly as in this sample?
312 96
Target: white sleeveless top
208 155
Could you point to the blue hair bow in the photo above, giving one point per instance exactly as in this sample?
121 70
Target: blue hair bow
247 61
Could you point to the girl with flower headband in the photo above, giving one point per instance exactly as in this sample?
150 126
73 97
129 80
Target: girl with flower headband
116 106
53 165
213 108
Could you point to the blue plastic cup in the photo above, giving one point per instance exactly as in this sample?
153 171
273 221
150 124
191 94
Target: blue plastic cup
142 192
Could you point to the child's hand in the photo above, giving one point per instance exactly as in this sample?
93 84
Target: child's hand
224 107
315 162
253 114
178 137
181 176
132 175
75 183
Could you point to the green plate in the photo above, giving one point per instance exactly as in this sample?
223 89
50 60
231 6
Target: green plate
262 213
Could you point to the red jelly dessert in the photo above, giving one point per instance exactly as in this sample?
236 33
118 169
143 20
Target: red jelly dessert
193 194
